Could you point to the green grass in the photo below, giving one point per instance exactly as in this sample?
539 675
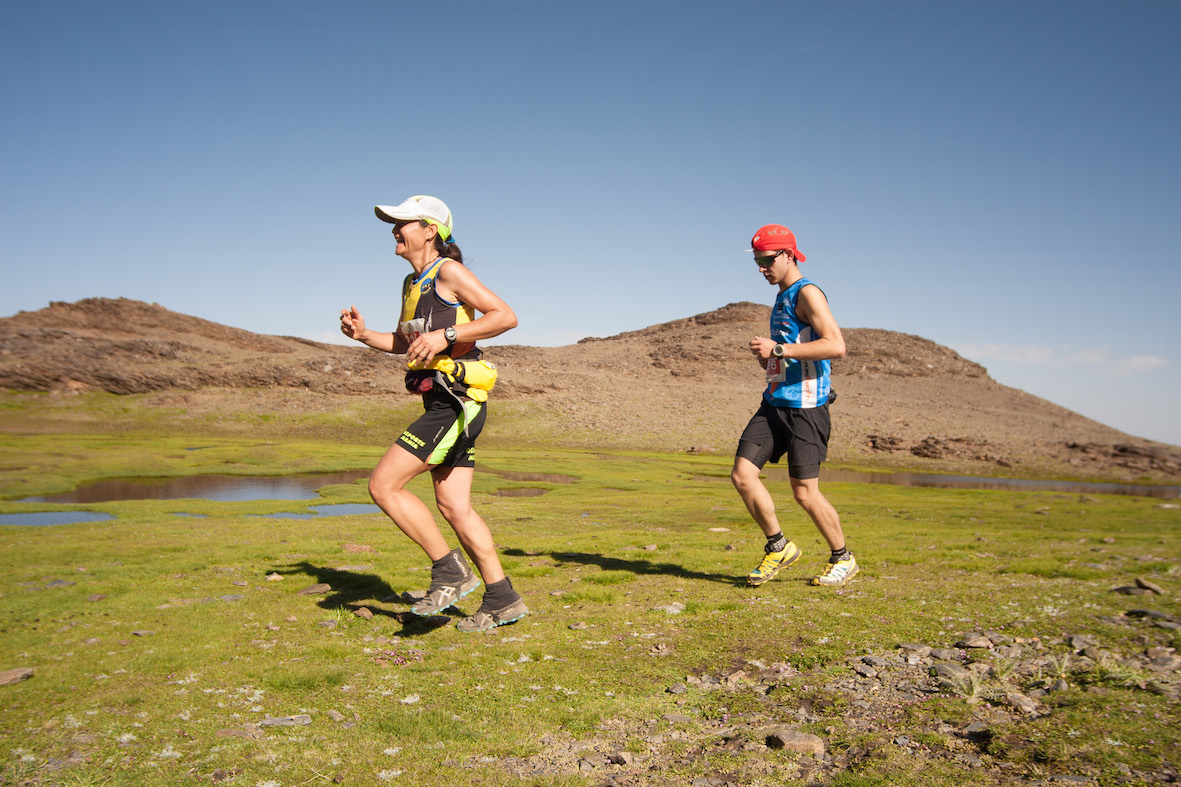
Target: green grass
169 644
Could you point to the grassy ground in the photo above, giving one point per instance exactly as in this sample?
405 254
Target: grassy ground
165 645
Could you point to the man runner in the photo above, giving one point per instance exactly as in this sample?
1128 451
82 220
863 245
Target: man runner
793 415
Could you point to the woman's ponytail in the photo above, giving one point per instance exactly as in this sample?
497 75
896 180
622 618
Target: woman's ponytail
448 248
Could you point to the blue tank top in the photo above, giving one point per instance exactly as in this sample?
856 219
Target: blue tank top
791 383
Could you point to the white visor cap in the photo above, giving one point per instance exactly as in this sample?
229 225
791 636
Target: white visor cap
421 208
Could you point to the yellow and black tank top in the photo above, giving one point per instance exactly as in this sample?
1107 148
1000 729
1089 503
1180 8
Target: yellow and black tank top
423 310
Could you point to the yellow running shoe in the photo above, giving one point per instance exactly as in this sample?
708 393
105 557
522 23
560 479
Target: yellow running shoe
772 563
838 573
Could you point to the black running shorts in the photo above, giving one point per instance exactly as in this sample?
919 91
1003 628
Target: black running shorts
775 431
444 434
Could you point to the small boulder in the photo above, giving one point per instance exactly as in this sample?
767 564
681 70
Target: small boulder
1021 702
286 721
974 639
1149 586
315 590
15 675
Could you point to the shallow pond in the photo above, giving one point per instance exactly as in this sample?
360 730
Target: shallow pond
222 488
930 480
54 518
227 488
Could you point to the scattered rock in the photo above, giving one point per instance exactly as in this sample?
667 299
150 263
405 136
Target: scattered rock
676 718
675 608
15 675
315 590
286 721
950 671
1150 586
406 597
978 732
974 639
1131 590
1152 614
275 577
735 678
1021 702
865 670
364 613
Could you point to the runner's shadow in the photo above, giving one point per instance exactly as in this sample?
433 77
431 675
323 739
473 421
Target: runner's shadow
350 590
633 566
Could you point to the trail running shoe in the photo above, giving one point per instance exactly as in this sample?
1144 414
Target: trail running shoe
773 563
442 595
485 618
838 573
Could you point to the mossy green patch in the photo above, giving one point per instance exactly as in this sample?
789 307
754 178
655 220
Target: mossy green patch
160 641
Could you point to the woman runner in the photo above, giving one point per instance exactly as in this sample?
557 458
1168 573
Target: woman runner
440 299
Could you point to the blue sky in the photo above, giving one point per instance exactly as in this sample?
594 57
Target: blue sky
997 177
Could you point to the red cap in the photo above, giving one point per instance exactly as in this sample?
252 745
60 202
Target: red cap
773 237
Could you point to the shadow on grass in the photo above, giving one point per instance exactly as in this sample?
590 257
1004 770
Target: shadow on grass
633 566
350 590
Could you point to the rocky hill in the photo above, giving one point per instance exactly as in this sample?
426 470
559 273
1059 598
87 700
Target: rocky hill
689 384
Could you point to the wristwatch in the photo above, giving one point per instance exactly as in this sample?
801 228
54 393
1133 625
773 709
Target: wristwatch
777 351
449 333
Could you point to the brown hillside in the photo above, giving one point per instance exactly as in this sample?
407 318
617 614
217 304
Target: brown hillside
689 384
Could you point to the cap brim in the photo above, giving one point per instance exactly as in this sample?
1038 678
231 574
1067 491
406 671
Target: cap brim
799 257
394 213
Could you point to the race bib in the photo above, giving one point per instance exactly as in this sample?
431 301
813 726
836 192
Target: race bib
412 329
776 370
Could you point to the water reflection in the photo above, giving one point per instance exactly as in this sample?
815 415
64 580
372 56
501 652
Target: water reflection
931 480
524 491
223 488
534 478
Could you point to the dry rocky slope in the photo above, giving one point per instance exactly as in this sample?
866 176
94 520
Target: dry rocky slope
689 384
